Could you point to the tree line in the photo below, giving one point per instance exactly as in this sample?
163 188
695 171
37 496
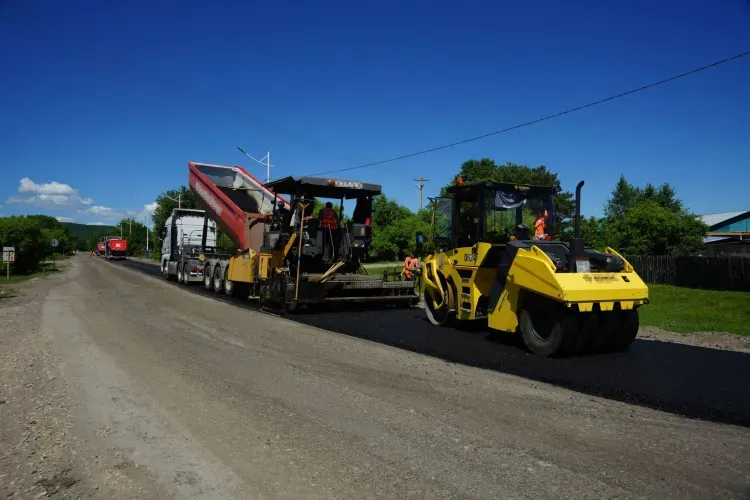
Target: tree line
31 236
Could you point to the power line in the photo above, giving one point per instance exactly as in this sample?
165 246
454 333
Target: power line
545 118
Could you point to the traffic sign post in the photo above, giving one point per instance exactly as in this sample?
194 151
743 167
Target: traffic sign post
9 255
54 251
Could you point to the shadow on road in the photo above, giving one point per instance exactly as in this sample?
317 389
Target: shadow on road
687 380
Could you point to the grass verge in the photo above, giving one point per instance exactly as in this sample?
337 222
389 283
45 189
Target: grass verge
46 269
690 310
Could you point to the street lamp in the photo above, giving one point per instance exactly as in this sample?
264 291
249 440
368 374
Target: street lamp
267 163
178 200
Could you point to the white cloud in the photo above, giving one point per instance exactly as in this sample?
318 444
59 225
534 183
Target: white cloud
100 210
53 195
64 219
150 208
97 224
52 188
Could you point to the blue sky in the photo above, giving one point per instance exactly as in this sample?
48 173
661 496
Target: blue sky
110 100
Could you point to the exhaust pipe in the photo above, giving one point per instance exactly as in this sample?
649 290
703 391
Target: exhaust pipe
578 209
576 250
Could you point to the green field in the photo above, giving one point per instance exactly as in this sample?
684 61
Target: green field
689 310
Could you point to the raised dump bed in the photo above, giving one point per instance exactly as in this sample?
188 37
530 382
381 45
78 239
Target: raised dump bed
233 199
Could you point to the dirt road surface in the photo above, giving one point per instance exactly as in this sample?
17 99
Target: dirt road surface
114 384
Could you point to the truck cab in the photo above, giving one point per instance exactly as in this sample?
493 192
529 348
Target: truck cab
185 236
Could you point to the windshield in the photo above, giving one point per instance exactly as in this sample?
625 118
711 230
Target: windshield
505 212
442 228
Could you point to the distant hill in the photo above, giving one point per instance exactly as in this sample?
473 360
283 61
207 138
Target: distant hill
83 232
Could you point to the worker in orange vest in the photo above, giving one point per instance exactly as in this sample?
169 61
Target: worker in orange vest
411 265
329 223
328 217
540 224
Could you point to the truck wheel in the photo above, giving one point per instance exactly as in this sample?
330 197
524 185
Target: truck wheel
208 284
546 328
218 282
179 272
228 285
186 274
165 270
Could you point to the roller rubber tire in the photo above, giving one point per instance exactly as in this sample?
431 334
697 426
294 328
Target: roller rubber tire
208 283
628 331
548 329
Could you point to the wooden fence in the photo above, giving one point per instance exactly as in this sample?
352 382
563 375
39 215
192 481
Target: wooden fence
716 272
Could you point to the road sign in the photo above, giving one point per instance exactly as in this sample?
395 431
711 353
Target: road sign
55 242
9 254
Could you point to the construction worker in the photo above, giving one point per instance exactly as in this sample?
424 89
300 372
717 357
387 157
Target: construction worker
329 224
328 217
540 224
280 215
411 266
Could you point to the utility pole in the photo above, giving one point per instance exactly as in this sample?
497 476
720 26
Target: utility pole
420 185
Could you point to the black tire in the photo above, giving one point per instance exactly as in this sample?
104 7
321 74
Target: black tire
547 328
229 286
165 270
628 331
208 283
186 274
443 315
218 280
179 273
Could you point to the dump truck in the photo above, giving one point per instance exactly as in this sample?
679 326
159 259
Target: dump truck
100 250
115 248
186 235
563 298
283 257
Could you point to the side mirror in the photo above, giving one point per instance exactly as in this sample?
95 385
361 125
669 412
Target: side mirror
420 240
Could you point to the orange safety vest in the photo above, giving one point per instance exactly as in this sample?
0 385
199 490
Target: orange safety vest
410 263
540 224
328 218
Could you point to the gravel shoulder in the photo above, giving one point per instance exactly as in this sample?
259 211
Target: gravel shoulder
117 385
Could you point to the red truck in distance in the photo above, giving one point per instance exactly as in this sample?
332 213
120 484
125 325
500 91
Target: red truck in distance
115 248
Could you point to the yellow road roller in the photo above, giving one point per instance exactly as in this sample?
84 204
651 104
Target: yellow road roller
494 258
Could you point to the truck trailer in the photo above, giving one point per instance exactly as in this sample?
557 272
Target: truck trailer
283 256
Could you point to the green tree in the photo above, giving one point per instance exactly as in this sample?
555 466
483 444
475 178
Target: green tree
26 235
648 221
394 229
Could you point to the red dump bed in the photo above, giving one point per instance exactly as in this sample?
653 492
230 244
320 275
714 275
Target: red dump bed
117 245
228 195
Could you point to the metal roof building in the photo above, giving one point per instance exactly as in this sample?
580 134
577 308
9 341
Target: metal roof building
727 226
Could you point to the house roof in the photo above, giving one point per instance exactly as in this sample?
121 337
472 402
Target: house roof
712 220
715 239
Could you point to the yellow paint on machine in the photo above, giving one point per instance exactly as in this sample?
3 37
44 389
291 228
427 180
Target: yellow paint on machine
241 266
